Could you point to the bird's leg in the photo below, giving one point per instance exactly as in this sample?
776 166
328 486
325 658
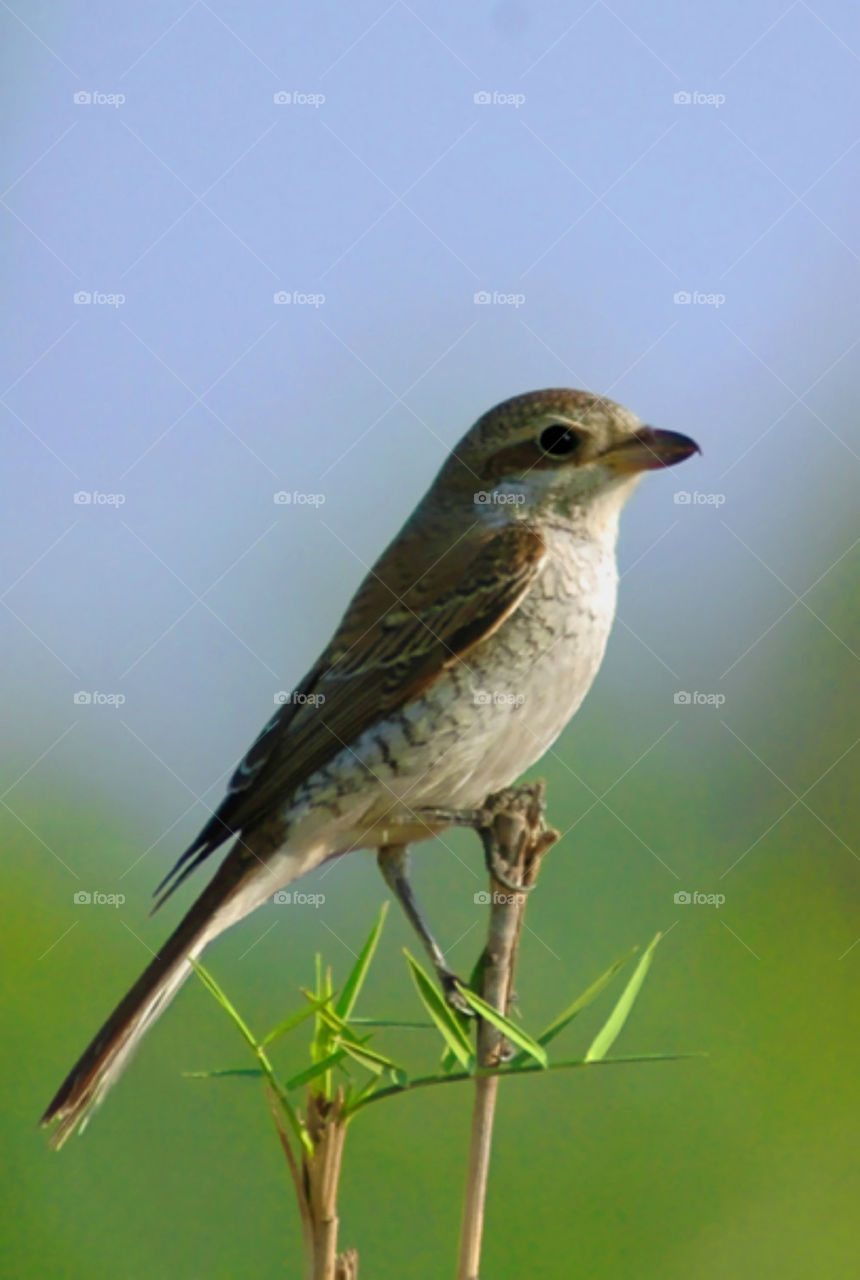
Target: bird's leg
478 820
393 860
452 817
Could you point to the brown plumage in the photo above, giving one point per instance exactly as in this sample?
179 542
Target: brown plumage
506 561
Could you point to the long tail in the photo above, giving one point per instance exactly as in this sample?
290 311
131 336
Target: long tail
101 1064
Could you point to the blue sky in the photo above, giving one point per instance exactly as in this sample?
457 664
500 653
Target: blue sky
626 156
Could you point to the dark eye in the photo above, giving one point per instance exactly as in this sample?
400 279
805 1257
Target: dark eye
559 440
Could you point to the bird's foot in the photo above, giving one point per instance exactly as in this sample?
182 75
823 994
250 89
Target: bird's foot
453 996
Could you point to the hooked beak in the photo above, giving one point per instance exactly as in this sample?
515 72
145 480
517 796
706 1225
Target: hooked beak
649 450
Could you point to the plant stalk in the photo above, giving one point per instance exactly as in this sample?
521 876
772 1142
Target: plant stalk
515 837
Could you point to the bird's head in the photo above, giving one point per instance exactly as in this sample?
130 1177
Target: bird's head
569 454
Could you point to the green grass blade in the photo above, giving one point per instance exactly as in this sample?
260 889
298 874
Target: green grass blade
215 990
312 1072
444 1017
368 1057
379 1094
334 1022
294 1020
321 1045
392 1022
226 1004
352 987
256 1072
367 1060
609 1032
581 1002
510 1029
348 1040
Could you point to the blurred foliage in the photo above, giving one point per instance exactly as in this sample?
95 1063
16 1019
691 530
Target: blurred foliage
743 1163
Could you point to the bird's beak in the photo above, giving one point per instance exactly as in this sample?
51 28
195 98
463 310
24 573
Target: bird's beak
649 449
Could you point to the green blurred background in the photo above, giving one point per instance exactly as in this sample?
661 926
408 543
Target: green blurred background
198 599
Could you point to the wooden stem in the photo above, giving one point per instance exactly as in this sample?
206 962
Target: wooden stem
513 830
315 1180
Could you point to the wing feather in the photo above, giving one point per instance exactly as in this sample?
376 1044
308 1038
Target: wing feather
390 646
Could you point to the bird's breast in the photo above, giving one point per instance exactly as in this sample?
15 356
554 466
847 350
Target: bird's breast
500 709
495 711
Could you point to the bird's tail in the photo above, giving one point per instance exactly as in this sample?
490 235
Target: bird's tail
101 1064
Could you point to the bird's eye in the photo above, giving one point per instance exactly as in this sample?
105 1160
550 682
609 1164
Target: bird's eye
559 440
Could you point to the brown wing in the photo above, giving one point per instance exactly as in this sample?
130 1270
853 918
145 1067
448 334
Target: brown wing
390 645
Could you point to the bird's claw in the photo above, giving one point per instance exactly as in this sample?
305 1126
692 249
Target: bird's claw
497 868
454 998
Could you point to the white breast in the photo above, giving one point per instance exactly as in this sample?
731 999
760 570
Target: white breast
515 694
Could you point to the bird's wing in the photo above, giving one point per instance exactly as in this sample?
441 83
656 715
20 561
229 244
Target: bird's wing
390 646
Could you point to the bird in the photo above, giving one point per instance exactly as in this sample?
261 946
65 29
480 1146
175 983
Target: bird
465 651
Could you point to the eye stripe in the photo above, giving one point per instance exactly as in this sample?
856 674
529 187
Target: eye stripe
533 454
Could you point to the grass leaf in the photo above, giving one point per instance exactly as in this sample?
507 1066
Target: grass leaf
294 1020
368 1057
505 1069
256 1072
352 987
443 1016
510 1029
226 1004
392 1022
581 1002
316 1069
611 1029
